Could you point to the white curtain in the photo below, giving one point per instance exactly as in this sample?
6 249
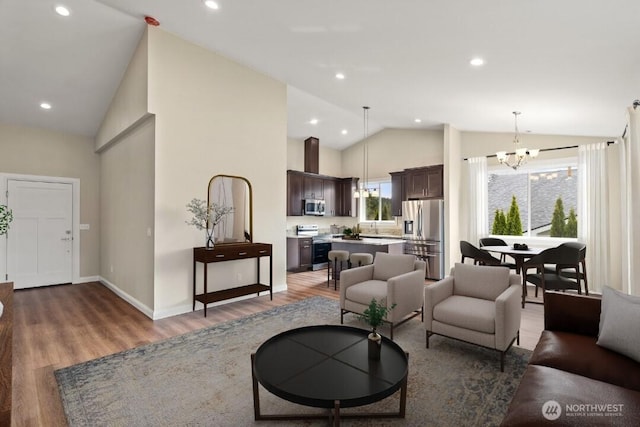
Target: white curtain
630 203
478 199
593 218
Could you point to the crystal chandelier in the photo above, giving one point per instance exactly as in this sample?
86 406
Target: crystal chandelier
364 190
521 154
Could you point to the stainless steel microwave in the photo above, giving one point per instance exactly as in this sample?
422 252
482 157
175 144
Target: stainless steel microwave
313 207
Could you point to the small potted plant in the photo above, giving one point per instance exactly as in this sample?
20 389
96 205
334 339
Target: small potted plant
374 316
347 233
207 216
6 216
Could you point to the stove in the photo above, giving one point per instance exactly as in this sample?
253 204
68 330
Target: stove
307 230
321 245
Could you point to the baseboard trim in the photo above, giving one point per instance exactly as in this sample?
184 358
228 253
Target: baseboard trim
128 298
86 279
176 310
182 309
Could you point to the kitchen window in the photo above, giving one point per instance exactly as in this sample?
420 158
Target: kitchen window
545 194
377 209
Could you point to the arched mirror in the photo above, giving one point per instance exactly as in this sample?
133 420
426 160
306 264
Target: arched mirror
232 192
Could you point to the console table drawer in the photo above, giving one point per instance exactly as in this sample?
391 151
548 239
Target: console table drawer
231 252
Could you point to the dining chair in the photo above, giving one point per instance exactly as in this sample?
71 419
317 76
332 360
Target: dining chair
565 270
494 241
478 256
551 267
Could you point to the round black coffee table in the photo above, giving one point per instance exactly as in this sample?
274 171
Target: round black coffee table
328 367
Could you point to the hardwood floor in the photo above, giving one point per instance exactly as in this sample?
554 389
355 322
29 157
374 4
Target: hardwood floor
63 325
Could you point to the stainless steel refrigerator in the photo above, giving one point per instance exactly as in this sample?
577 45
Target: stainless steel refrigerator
423 222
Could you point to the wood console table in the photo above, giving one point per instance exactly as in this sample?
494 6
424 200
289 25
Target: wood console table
231 252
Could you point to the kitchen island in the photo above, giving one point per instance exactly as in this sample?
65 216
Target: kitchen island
368 245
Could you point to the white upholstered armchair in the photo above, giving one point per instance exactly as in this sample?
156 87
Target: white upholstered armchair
391 279
476 304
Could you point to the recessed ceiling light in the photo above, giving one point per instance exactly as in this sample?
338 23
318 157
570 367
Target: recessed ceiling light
418 120
339 76
45 106
313 121
62 11
344 132
477 62
211 4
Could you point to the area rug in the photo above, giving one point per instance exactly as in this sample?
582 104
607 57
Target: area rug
203 378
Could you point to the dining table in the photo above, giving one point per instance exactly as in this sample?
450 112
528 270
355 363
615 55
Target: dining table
519 256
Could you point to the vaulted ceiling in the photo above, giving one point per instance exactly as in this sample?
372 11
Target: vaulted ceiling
571 67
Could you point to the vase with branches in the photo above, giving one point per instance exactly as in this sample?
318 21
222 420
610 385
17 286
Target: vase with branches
207 217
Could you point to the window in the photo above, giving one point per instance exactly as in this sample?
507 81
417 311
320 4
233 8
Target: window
377 208
543 195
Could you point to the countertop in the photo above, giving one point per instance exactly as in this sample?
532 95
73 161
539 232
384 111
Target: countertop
369 241
381 236
367 235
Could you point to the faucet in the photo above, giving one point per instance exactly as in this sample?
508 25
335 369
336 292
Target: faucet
374 225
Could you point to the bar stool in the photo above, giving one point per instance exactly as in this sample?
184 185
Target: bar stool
335 257
358 259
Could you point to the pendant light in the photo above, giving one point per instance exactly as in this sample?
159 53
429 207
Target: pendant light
364 190
521 154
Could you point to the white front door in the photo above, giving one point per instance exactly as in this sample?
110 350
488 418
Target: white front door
40 240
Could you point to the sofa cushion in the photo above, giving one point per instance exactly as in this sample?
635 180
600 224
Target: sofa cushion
619 320
468 313
386 266
541 384
579 354
478 281
363 292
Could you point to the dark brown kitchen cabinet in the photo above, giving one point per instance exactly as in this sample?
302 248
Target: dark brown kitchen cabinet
311 155
337 193
295 193
348 205
424 183
329 190
312 187
398 194
299 253
416 183
435 182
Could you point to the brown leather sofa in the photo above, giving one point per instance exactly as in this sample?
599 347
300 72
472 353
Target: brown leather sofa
576 381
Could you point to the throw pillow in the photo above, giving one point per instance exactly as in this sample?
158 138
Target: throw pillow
620 323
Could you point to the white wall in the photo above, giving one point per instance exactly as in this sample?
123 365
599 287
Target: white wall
452 194
213 116
129 104
31 151
392 150
126 204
